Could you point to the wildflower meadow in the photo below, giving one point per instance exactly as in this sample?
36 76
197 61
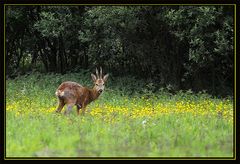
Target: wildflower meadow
118 124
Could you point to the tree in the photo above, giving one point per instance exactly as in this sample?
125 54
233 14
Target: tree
179 46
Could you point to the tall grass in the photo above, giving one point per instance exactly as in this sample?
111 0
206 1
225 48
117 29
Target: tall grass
121 123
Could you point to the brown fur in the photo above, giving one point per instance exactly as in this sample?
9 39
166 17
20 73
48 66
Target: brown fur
72 93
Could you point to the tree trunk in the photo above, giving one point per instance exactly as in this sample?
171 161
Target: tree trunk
52 56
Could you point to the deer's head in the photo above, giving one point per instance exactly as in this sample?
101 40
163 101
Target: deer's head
99 80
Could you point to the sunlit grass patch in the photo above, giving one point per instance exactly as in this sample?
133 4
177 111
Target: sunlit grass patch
135 109
159 125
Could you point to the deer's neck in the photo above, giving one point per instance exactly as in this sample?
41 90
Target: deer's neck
94 94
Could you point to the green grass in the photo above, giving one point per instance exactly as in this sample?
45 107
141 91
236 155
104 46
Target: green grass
118 124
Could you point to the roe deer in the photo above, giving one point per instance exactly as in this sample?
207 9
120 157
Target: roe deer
72 93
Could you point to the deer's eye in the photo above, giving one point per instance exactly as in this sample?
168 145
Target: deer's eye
96 84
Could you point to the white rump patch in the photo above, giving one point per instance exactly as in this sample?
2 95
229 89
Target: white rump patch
59 93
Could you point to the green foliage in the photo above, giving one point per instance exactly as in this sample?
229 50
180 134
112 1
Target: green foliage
49 26
179 47
206 31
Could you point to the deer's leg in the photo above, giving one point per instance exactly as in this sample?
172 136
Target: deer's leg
83 109
70 101
69 108
60 106
78 108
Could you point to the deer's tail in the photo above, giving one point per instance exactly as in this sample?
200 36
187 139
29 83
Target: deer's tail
59 93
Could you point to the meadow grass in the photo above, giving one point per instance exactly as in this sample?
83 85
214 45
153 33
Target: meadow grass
118 124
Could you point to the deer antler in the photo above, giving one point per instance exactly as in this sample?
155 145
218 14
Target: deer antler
101 72
97 73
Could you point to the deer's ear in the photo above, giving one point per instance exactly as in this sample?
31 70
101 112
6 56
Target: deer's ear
94 78
105 77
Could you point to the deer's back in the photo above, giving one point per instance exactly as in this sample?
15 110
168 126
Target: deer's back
69 85
70 91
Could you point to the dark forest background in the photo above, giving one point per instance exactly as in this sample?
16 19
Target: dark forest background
176 47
